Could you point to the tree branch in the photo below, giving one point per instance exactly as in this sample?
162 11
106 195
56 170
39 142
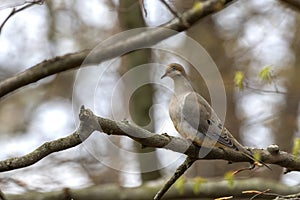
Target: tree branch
142 40
90 123
179 172
209 190
294 3
170 9
84 131
16 10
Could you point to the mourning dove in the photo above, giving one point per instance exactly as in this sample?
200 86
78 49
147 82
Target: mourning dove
194 118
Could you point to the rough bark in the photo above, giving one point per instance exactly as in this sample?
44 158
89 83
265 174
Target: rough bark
208 190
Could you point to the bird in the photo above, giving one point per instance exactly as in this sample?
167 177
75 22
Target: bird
193 117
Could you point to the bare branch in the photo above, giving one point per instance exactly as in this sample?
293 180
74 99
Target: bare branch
175 13
288 197
210 190
16 10
74 60
90 123
179 171
142 5
294 3
170 9
47 148
260 91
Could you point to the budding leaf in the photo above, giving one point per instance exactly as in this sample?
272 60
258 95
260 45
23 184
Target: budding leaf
296 147
265 74
180 185
229 177
198 181
257 156
239 79
198 5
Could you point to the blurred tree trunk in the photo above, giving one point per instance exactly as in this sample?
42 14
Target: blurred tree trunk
130 16
25 102
62 86
286 125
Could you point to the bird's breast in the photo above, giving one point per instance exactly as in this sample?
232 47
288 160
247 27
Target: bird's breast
181 125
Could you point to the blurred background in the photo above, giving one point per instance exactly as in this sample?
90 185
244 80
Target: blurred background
247 36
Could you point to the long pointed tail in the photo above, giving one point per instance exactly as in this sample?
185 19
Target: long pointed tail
249 155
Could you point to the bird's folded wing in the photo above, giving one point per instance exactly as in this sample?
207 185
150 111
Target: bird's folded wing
198 114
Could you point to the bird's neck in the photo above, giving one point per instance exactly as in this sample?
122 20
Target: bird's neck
182 85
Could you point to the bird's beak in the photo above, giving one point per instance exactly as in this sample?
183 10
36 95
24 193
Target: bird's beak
163 76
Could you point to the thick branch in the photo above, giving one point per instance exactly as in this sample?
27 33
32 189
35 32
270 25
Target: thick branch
47 148
90 123
208 190
143 40
181 145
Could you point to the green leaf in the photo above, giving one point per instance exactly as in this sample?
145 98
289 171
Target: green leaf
180 185
257 156
265 74
198 181
239 79
198 5
296 147
229 177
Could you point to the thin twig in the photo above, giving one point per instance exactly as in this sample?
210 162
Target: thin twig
142 4
259 193
14 11
274 83
180 170
264 91
176 14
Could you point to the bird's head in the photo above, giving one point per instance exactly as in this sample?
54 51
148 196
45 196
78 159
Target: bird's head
173 70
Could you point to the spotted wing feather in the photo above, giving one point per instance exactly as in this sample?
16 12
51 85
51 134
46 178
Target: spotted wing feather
198 113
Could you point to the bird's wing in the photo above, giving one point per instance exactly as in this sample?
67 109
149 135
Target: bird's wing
198 113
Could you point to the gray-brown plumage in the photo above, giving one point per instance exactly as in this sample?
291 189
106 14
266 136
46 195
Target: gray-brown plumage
194 118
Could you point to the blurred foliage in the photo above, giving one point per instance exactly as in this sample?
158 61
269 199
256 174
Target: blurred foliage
198 181
179 184
265 74
296 147
239 79
229 177
257 156
198 5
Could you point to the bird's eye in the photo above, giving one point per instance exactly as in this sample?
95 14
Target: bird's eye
173 68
